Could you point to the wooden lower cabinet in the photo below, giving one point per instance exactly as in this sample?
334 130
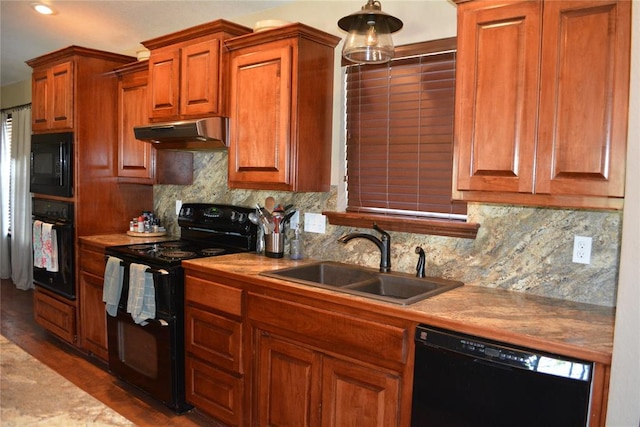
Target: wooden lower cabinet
92 316
287 382
317 367
358 395
93 319
298 386
213 344
54 314
265 360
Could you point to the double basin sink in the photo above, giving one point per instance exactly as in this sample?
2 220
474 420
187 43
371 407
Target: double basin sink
398 288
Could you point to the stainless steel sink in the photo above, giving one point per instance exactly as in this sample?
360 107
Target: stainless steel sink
330 274
398 288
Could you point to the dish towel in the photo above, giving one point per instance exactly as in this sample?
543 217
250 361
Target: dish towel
37 244
49 247
113 275
141 302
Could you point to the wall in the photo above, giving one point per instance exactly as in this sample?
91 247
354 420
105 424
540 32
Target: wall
517 248
523 249
624 392
16 94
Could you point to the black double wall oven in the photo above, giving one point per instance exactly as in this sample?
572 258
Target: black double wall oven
149 354
53 246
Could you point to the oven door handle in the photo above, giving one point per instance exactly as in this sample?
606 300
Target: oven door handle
161 272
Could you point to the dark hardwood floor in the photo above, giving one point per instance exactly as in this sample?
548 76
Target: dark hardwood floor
19 326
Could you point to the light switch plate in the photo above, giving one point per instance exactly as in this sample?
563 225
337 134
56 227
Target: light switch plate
315 223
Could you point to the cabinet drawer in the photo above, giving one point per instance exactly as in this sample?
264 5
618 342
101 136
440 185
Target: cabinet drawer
92 262
214 338
213 295
375 342
214 392
54 315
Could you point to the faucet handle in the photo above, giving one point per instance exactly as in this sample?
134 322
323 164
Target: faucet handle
421 262
380 230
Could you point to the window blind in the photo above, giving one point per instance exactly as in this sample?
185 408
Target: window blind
400 137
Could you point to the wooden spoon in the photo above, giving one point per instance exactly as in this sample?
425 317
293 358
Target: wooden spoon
269 204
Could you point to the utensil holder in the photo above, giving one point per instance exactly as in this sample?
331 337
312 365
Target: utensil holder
274 245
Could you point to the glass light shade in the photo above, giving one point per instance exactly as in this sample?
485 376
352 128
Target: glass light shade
369 41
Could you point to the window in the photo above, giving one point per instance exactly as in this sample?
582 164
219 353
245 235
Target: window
399 139
7 171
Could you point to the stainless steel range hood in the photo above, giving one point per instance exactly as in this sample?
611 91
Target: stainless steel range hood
190 135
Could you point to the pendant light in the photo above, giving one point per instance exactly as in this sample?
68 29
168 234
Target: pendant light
369 39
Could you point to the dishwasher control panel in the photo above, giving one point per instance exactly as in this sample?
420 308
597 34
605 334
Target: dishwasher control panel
503 353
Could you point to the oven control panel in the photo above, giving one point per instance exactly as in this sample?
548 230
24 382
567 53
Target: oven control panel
217 217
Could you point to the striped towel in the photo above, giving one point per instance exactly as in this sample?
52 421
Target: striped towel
113 275
141 302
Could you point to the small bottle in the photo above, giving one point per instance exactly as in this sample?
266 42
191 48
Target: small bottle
296 248
141 224
133 225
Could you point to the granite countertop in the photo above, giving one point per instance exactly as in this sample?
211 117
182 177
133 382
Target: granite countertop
118 239
558 326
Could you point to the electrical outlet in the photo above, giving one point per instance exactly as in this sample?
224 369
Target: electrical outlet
582 250
315 223
178 206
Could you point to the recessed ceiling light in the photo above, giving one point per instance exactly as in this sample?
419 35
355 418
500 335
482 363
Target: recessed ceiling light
42 8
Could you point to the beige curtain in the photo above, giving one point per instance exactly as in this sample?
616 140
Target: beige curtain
20 244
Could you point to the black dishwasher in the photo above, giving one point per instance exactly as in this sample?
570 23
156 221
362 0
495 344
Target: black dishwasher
461 380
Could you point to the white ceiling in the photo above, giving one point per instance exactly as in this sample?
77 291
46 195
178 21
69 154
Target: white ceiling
113 26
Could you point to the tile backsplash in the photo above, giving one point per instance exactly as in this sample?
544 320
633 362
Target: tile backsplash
518 248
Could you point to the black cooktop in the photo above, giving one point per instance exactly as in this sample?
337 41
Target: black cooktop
171 252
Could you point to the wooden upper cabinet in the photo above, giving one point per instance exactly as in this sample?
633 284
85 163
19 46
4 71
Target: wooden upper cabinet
136 159
261 94
187 70
542 102
52 94
200 83
164 78
584 98
281 109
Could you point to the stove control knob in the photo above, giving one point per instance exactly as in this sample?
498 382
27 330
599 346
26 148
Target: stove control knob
242 218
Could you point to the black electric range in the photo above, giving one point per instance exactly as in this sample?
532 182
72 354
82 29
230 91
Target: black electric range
150 354
206 229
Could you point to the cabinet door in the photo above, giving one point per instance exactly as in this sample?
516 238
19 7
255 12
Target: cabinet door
584 98
62 96
55 316
354 395
287 383
200 79
52 93
164 84
497 91
214 338
136 159
261 88
214 391
40 96
93 320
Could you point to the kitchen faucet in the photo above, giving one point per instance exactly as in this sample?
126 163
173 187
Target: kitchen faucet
421 262
384 244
